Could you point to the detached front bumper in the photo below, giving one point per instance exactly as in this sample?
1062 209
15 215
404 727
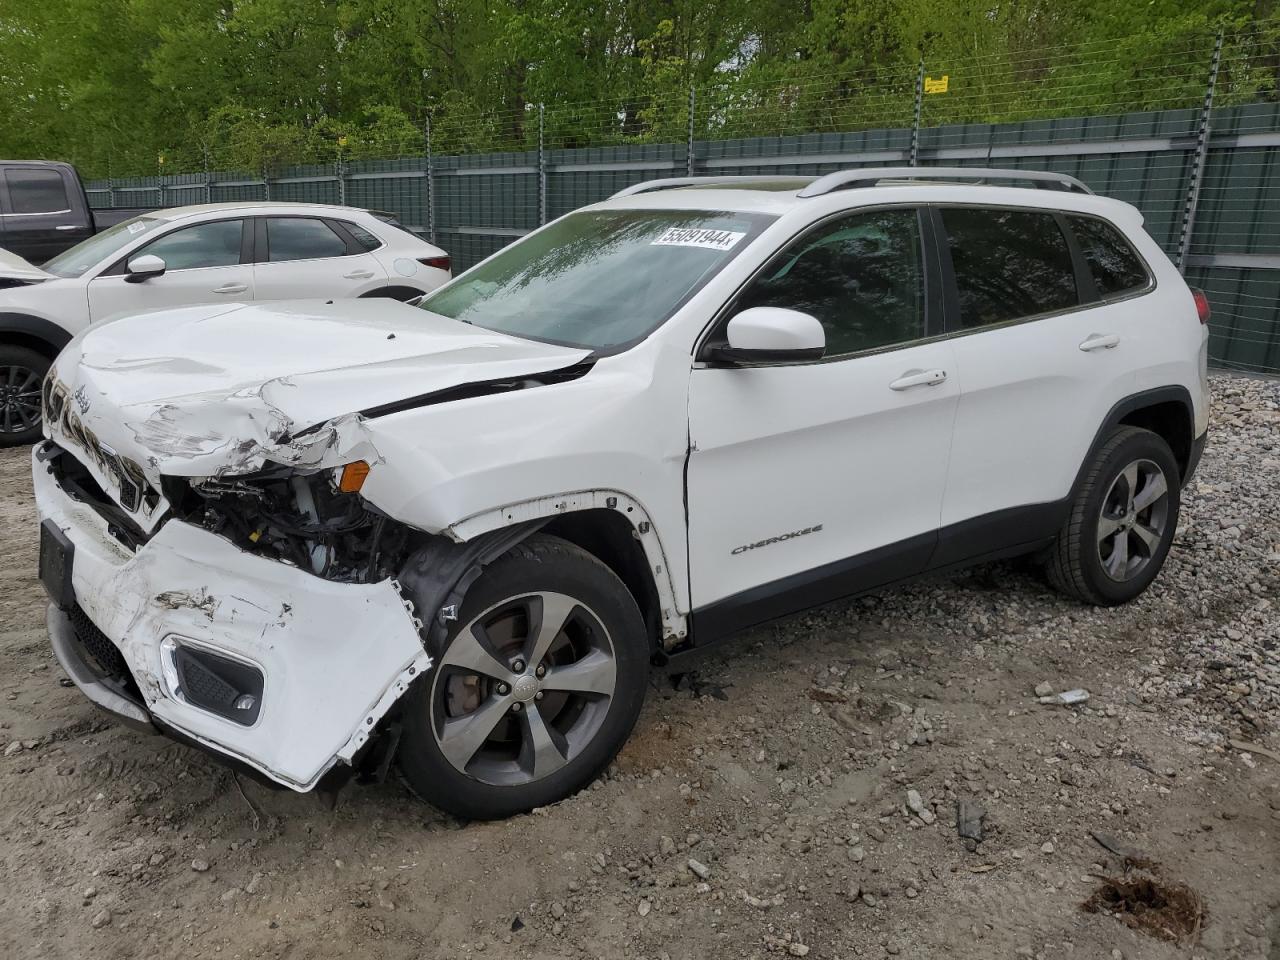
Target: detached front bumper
332 657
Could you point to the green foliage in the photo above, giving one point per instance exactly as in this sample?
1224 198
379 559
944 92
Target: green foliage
114 85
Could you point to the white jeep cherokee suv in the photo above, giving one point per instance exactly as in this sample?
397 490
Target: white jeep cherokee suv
313 538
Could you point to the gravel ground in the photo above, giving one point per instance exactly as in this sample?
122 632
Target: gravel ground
796 797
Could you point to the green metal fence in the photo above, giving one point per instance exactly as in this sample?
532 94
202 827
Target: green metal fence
1205 176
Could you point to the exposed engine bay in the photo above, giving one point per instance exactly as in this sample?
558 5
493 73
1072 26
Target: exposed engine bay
297 517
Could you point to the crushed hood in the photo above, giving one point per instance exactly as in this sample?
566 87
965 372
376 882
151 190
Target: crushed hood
221 389
13 267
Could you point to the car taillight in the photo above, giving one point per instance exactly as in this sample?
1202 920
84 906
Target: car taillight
1202 304
440 263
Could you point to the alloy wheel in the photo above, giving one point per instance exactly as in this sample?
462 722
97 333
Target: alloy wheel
523 689
1134 520
19 399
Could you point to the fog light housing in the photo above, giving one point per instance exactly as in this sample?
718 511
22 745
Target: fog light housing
218 683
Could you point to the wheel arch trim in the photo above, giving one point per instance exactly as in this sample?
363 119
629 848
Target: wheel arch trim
675 627
32 326
1133 403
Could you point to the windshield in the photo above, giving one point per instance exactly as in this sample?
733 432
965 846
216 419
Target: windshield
600 279
89 253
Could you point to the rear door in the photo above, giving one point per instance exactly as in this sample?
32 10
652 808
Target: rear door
300 257
205 263
41 212
1040 362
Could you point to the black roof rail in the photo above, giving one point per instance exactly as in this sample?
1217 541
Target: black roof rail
873 176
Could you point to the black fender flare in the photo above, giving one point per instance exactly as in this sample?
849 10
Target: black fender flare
435 578
37 327
1131 404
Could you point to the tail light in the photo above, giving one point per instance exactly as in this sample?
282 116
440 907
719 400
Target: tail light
1202 304
439 263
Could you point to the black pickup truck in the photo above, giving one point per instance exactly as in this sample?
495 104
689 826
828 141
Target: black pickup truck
44 209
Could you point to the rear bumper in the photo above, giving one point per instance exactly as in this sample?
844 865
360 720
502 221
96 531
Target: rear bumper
334 657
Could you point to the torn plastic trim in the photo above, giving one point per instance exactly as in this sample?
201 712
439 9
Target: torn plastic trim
675 625
395 690
481 388
437 575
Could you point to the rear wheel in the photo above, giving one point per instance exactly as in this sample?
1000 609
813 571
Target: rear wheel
1122 520
538 687
22 373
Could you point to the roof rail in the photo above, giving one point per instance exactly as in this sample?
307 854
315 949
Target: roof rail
872 176
671 183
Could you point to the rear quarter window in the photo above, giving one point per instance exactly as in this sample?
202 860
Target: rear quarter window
365 239
1115 266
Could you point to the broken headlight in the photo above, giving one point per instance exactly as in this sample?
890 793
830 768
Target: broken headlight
310 519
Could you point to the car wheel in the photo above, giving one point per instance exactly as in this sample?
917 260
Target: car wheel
539 685
22 373
1122 521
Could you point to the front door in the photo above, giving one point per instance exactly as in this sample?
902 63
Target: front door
814 480
203 264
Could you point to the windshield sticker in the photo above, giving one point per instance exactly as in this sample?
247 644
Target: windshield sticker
136 227
693 237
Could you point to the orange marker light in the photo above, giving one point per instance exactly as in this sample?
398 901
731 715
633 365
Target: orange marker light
353 475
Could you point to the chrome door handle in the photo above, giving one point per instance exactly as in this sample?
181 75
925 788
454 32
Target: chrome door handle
66 226
231 288
1099 341
358 275
919 378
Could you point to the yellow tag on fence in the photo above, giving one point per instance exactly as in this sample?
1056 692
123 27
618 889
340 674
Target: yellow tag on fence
936 86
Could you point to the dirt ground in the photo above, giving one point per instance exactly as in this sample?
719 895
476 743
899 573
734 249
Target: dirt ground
783 770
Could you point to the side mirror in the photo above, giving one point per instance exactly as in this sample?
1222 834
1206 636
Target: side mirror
144 268
772 335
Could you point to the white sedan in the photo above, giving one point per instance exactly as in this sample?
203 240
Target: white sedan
209 253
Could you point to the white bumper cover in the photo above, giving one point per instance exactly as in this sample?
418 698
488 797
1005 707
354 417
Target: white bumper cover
335 656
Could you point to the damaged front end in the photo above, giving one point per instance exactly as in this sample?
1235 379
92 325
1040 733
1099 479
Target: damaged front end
215 569
257 615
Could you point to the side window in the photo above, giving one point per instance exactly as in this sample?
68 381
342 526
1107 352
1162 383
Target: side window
36 191
1115 267
301 238
1008 264
215 244
363 237
860 275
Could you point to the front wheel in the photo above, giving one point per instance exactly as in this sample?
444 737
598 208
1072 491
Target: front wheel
1122 520
22 373
539 685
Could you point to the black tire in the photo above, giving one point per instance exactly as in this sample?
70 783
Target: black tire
540 566
21 369
1076 564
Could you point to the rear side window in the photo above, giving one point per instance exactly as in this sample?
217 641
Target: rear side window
1116 268
1008 264
302 238
36 191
